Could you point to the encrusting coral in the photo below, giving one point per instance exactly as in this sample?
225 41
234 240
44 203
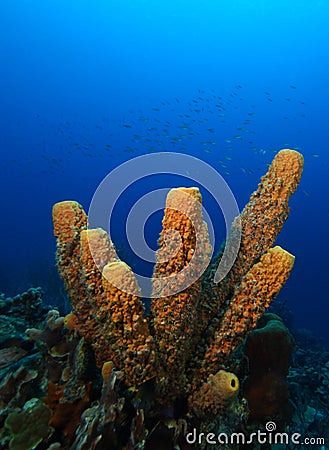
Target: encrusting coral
189 335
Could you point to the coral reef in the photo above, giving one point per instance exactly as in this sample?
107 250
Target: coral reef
110 376
43 394
30 426
16 315
308 382
179 361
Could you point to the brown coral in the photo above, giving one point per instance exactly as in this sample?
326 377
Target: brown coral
250 299
69 221
194 324
126 330
66 414
263 217
110 319
175 316
260 222
96 250
269 350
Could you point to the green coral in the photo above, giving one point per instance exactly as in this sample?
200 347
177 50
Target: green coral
30 426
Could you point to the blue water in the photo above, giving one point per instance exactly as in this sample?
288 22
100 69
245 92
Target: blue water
87 85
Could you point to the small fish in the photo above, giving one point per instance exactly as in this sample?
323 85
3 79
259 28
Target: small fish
126 125
315 155
306 193
292 86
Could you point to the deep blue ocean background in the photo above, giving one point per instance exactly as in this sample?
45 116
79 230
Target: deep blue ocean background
87 85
